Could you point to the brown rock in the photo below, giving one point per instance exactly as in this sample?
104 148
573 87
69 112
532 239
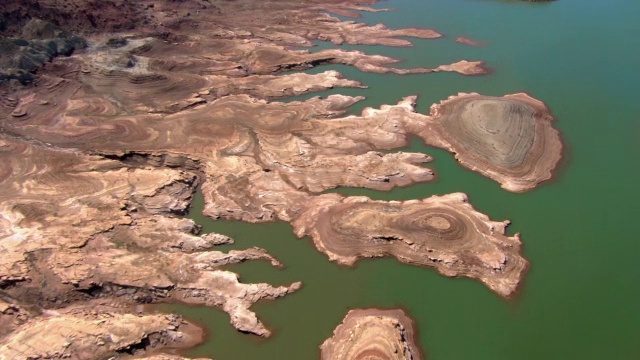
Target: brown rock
444 232
222 289
90 335
101 158
509 139
372 334
89 227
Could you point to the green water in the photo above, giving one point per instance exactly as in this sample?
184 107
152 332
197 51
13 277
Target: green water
581 298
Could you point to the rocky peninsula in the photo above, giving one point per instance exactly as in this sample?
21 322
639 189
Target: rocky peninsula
372 334
443 232
509 139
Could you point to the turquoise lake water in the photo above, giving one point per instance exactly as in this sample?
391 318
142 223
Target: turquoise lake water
581 297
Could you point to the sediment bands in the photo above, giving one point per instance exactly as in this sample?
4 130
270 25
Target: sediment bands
501 131
509 139
372 334
100 158
444 232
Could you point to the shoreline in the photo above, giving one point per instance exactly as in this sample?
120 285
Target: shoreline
133 124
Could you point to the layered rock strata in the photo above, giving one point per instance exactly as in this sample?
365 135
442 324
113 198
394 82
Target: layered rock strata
267 160
89 227
372 334
100 157
443 232
39 42
508 139
266 168
85 333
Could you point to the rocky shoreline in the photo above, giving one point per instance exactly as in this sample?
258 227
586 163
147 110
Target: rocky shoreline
443 232
101 153
508 139
373 334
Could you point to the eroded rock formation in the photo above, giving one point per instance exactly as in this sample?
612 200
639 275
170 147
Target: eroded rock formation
372 334
87 226
509 139
444 232
101 155
39 42
267 159
86 333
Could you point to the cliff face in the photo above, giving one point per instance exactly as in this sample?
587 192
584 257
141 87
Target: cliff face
85 334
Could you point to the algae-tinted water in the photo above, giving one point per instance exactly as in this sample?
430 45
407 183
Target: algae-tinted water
581 298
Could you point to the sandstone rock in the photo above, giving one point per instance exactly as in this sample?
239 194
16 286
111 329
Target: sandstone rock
222 289
100 160
444 232
372 334
78 223
11 316
89 335
213 239
509 139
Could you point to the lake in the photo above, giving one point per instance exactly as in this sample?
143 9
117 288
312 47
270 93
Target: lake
581 297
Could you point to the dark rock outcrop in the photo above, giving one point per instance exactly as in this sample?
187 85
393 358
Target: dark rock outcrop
40 42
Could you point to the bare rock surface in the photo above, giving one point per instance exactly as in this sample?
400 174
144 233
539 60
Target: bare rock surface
271 86
222 289
90 227
443 232
39 42
87 334
372 334
12 316
268 165
213 239
101 155
509 139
